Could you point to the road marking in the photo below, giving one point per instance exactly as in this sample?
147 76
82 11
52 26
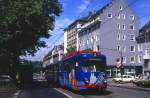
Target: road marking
63 93
17 93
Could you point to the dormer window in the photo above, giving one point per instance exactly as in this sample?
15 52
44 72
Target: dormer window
109 15
131 17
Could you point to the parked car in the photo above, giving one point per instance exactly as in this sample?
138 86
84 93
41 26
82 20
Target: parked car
5 78
6 83
124 78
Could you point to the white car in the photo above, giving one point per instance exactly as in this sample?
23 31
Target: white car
124 78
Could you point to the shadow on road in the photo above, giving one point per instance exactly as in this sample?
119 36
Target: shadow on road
36 85
99 93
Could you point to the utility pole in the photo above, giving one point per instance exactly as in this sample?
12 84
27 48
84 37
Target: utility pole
121 67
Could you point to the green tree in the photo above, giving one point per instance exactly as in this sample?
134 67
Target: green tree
22 24
71 49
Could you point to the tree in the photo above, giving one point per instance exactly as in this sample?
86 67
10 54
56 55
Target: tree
71 49
22 24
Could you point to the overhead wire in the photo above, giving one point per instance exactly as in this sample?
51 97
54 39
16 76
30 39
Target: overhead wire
116 14
62 28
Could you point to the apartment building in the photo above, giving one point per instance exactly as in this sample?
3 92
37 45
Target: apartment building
143 41
70 34
55 55
113 29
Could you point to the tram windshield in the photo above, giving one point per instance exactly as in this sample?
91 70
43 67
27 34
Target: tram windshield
93 65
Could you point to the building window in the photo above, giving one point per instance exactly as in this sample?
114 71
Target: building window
118 48
124 48
124 60
91 39
139 59
123 37
132 59
80 44
131 27
132 37
118 26
147 30
139 47
109 15
121 7
131 17
87 42
123 16
146 39
147 51
83 43
96 39
97 26
118 16
123 27
118 36
132 48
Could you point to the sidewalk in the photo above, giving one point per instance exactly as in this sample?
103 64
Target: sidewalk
4 89
127 86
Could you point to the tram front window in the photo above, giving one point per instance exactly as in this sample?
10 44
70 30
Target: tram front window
93 66
89 68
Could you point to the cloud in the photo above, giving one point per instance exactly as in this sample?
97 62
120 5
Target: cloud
38 56
60 25
83 6
55 39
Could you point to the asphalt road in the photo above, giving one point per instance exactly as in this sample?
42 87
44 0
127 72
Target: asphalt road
42 90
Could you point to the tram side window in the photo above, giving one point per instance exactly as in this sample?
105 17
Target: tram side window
67 66
76 64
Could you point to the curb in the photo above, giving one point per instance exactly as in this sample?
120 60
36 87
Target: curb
7 91
133 88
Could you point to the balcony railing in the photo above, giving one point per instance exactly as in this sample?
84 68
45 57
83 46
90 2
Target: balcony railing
146 56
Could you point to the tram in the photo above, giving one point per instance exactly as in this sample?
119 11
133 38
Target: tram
83 70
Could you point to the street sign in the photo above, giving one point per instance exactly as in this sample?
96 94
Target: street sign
119 63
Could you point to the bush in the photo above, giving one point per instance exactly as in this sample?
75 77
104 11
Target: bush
143 83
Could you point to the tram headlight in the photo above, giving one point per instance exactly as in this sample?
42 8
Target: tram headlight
86 80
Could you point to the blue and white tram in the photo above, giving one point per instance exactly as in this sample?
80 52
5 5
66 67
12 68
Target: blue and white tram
83 70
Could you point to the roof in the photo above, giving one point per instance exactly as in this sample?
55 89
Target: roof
79 52
75 23
50 52
145 30
90 16
84 55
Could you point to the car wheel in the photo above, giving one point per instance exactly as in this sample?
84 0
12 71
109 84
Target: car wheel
119 81
131 81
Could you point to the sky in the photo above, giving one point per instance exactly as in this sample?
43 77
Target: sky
74 9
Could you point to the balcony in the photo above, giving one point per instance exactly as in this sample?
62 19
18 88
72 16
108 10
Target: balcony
146 54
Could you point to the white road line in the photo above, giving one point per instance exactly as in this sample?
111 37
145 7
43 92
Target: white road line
63 93
16 94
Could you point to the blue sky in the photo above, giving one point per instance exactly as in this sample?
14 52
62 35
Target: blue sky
74 9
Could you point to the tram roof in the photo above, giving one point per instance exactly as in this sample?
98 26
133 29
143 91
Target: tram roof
81 54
